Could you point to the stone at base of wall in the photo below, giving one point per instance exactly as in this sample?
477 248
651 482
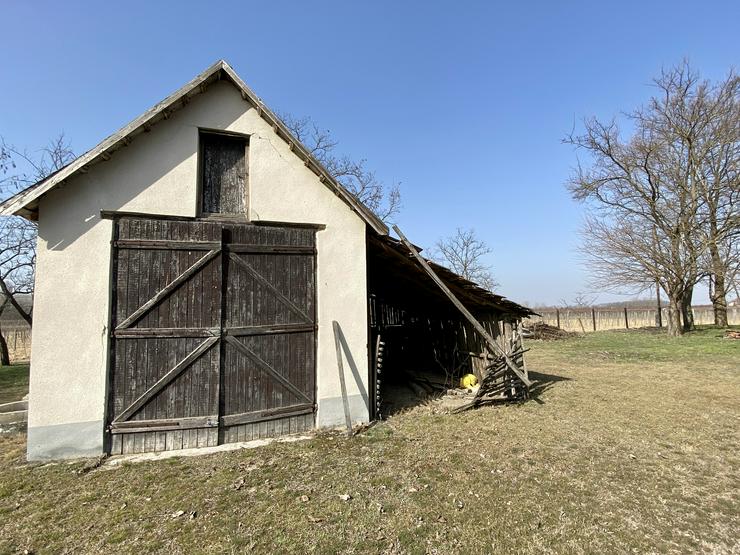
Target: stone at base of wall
331 411
65 441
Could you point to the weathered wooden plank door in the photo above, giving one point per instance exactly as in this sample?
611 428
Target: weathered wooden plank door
213 334
269 333
164 388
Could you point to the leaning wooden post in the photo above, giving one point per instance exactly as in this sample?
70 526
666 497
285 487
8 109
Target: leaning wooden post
626 320
465 312
342 382
593 317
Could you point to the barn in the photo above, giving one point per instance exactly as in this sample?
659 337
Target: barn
201 279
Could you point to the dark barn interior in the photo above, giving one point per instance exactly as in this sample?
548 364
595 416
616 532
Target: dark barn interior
421 344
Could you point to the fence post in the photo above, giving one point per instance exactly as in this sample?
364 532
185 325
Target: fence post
593 317
557 315
626 320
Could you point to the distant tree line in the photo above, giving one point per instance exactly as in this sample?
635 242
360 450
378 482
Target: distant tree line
664 197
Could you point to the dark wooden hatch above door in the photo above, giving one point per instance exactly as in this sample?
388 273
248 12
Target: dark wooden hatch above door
213 333
223 179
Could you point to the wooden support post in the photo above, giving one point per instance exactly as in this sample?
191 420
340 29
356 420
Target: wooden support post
557 315
660 308
593 317
626 320
465 312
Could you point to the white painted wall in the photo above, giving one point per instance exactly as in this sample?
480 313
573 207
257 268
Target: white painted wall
157 174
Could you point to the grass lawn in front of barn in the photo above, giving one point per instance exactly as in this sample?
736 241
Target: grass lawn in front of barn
632 443
13 382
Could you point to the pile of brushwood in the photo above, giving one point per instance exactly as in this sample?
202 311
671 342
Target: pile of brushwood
546 332
732 334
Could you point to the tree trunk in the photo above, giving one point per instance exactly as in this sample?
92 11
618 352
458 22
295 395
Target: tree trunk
10 297
4 354
687 314
718 293
674 316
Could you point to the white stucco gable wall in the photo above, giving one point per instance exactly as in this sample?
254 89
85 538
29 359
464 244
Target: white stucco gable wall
158 174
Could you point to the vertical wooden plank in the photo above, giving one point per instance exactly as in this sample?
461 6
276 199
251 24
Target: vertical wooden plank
148 441
128 443
160 441
116 445
189 439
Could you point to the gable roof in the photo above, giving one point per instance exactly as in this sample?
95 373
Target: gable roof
25 203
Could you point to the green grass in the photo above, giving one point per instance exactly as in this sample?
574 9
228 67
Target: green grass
632 444
13 382
651 345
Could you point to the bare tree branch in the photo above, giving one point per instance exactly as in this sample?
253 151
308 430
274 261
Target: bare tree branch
18 235
383 200
463 253
664 201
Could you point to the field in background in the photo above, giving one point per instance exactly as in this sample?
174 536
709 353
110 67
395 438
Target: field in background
18 337
631 443
586 319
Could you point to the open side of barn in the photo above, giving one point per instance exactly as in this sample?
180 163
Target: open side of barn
420 342
201 279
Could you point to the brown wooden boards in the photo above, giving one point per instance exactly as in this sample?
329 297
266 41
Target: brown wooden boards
223 174
269 332
214 333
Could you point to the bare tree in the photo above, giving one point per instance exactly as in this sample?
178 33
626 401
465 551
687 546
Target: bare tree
464 254
19 169
383 200
580 300
650 193
718 179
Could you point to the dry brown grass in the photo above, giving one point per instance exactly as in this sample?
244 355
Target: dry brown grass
633 445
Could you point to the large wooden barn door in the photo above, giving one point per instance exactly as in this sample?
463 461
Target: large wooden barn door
213 333
269 333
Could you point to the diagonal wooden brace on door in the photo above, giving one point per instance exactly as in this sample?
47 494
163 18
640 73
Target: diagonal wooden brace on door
266 283
165 380
465 312
265 367
168 289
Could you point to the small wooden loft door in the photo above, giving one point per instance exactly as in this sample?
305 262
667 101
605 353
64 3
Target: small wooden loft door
224 174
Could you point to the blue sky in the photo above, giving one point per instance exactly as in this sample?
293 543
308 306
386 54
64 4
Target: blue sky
464 103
